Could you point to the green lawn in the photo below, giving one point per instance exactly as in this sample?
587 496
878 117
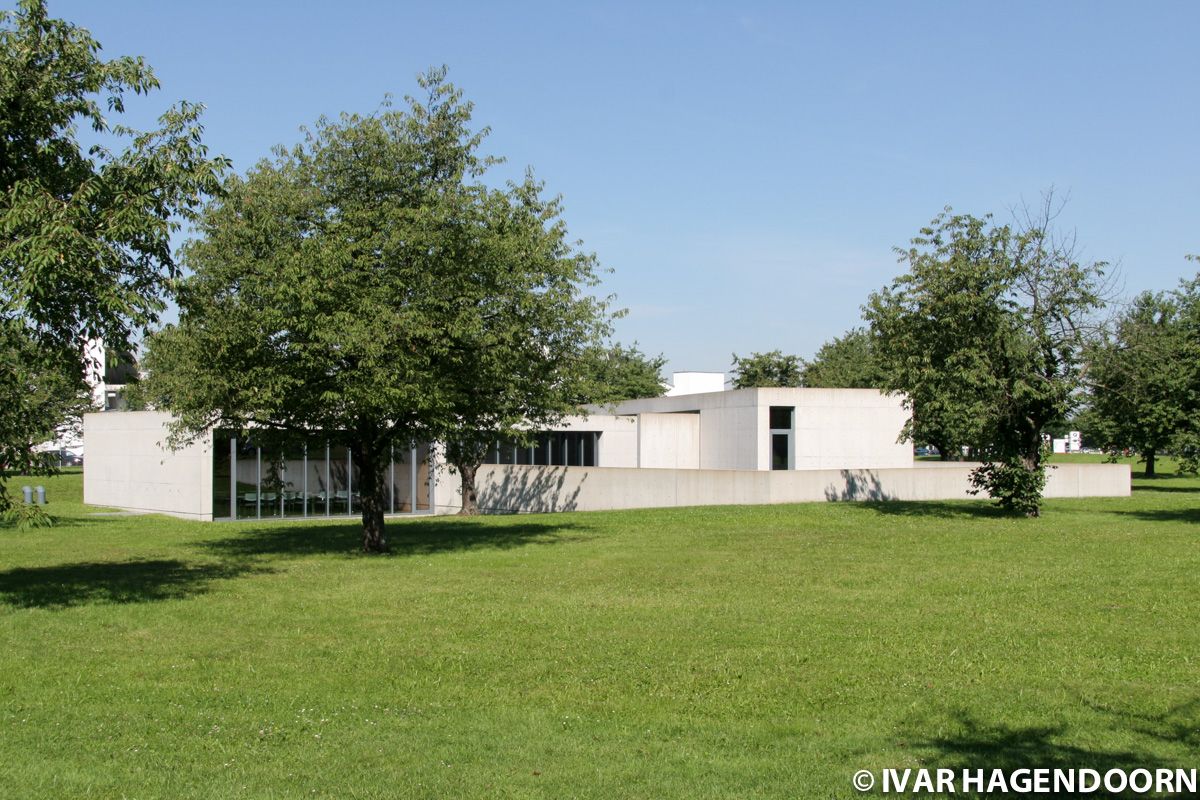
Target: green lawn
687 653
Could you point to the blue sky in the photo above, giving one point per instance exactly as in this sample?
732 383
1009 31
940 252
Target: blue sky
745 169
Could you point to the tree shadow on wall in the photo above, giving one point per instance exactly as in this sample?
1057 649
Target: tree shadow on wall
93 582
857 484
976 746
514 489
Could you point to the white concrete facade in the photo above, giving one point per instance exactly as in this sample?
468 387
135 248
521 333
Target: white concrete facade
518 489
730 430
129 466
698 449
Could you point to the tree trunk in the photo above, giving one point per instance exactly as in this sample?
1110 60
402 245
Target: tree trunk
371 464
470 499
1148 455
1032 462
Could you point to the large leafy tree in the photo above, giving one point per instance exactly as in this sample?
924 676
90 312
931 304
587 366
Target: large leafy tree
85 231
844 362
368 285
766 370
1140 377
984 336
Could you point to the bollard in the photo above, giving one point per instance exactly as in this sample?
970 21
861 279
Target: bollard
28 494
41 495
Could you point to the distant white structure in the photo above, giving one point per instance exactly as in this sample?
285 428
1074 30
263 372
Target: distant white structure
1073 443
695 383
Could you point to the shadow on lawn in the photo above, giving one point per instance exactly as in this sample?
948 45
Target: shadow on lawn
1139 488
952 509
83 583
1164 514
998 747
407 538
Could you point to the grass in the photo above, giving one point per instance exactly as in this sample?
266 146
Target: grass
685 653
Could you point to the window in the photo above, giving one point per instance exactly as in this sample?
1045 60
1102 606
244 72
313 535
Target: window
781 418
556 448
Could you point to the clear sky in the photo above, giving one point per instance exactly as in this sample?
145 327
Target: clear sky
745 169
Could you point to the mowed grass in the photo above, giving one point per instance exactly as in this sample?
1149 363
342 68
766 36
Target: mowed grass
686 653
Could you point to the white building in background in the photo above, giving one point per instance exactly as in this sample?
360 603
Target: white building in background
744 446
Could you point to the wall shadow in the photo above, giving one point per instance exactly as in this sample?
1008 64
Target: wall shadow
977 746
68 585
857 484
404 538
529 489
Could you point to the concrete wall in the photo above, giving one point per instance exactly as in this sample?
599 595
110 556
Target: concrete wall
618 446
535 489
832 428
127 465
669 441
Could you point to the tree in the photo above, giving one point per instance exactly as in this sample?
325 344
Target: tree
847 362
614 373
85 249
1139 379
366 284
39 394
1186 442
983 336
520 332
764 370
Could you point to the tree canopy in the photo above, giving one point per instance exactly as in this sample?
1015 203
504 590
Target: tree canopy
845 362
1140 377
766 370
85 250
984 337
613 373
368 284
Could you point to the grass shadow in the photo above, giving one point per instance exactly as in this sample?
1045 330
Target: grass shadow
940 509
975 746
1164 514
92 582
1165 489
407 538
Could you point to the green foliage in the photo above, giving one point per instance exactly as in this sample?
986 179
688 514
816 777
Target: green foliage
41 391
614 373
845 362
366 283
983 335
85 248
26 516
764 370
1012 484
1140 377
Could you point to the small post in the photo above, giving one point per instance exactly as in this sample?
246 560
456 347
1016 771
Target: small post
28 492
41 495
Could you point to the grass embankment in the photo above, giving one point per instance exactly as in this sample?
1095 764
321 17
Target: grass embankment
715 652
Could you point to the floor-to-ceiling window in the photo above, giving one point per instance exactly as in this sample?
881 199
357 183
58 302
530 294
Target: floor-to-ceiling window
308 477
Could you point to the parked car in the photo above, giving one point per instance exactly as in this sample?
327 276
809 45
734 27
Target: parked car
69 458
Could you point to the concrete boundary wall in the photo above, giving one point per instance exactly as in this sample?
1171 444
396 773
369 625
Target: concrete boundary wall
508 489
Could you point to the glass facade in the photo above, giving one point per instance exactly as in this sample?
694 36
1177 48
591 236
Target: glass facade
308 478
